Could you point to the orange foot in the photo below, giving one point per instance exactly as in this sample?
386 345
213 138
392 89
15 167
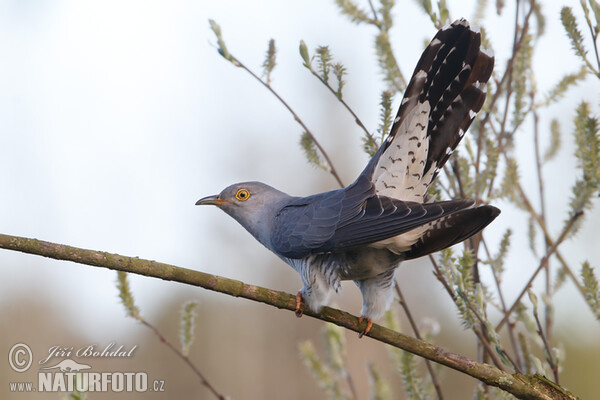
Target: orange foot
298 304
368 328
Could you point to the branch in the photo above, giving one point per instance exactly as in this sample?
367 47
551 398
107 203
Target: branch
542 265
547 237
332 169
517 43
224 52
134 312
521 386
373 11
343 102
454 295
185 358
549 356
510 326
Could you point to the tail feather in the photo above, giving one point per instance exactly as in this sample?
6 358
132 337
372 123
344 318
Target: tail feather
453 115
445 93
452 229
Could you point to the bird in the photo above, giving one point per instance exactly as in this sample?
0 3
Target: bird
364 231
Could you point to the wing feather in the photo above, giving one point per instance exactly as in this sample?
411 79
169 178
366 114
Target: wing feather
305 227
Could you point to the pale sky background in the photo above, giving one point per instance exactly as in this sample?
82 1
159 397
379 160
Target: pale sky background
116 116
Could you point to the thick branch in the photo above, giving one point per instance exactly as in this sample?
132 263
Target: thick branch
521 386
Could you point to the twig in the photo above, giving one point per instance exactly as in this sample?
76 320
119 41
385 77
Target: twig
594 37
438 274
457 174
538 164
510 326
486 342
444 188
482 339
183 357
356 119
222 49
542 225
415 328
374 12
332 169
452 182
507 75
350 382
516 46
521 386
551 360
543 262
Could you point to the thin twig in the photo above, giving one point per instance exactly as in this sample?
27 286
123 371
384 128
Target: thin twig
350 382
507 75
482 339
452 182
594 37
538 164
332 169
183 357
551 360
521 386
391 54
516 46
356 119
444 189
456 171
438 274
415 328
543 262
486 335
485 343
510 326
348 377
542 225
374 12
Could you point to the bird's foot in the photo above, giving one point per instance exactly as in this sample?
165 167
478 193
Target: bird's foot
369 325
298 304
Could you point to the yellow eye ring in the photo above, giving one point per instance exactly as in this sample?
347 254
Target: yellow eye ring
242 195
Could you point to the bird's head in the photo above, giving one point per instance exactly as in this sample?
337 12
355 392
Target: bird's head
252 204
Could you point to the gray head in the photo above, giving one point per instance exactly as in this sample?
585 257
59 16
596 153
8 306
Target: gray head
252 204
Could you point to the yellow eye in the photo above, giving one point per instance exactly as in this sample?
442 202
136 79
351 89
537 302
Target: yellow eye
242 195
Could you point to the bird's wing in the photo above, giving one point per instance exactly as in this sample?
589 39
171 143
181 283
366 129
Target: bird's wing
445 93
346 218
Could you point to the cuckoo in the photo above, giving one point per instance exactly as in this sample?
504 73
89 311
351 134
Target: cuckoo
363 231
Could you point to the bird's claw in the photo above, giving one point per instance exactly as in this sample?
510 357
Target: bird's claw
368 327
299 304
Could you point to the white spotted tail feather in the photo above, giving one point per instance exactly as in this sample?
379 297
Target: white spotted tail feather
440 102
447 89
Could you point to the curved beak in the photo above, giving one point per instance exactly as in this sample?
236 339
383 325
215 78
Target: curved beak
213 200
